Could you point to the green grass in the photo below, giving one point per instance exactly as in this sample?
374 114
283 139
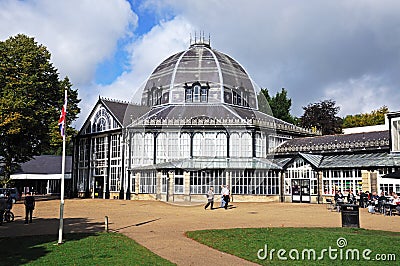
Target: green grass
246 243
79 249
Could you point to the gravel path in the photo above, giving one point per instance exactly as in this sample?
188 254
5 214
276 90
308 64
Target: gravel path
161 226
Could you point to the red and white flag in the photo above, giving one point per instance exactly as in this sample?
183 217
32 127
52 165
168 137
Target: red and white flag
63 115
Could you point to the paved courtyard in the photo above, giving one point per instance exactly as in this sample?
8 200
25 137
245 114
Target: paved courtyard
161 226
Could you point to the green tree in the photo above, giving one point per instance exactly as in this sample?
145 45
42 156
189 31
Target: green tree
376 117
31 96
279 104
322 116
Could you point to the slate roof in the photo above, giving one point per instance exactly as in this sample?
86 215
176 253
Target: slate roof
124 111
46 164
341 161
222 114
340 143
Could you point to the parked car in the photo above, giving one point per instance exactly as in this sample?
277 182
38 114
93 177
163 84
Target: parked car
14 193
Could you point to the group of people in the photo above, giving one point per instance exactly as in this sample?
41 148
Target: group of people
372 201
225 197
6 204
378 202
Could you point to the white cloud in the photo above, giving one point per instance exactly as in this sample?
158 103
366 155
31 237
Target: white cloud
361 95
78 33
147 53
345 50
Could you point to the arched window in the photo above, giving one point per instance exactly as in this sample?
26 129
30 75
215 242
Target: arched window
246 145
161 148
221 145
198 140
184 145
209 144
234 145
148 148
101 121
196 93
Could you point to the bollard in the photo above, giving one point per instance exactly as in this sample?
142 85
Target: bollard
106 223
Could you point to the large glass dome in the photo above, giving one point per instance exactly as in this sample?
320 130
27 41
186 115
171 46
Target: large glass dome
200 75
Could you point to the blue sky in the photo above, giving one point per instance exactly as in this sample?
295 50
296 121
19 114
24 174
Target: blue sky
345 50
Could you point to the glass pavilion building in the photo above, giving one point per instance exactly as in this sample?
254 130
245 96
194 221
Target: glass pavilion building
197 125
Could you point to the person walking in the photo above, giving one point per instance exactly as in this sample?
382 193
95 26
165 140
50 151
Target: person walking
223 188
226 196
29 203
210 198
3 205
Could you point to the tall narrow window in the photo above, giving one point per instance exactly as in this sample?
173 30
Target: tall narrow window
196 93
204 94
188 94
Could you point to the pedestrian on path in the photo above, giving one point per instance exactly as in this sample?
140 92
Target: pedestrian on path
227 197
3 205
210 198
29 203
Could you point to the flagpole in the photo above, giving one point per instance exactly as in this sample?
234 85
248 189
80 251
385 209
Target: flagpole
61 227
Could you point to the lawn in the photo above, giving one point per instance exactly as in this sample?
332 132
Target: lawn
79 249
296 246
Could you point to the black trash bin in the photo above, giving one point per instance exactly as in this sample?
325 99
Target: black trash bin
350 216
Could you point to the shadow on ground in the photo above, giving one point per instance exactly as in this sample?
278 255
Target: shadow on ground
20 248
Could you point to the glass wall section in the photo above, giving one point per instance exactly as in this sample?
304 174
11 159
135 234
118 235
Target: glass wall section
209 144
161 148
341 179
388 185
100 158
116 160
259 182
148 149
147 182
198 140
300 169
184 148
261 145
395 134
246 146
164 180
221 145
178 182
201 181
83 164
240 145
275 141
234 145
137 148
173 146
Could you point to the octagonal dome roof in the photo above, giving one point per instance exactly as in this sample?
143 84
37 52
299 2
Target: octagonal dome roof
220 79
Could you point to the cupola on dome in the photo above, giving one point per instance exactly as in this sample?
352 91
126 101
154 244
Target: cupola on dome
199 75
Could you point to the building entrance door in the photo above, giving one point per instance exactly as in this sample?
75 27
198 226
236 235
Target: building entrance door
98 187
301 190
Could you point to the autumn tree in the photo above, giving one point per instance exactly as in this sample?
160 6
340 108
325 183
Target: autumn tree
31 96
376 117
322 116
279 104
